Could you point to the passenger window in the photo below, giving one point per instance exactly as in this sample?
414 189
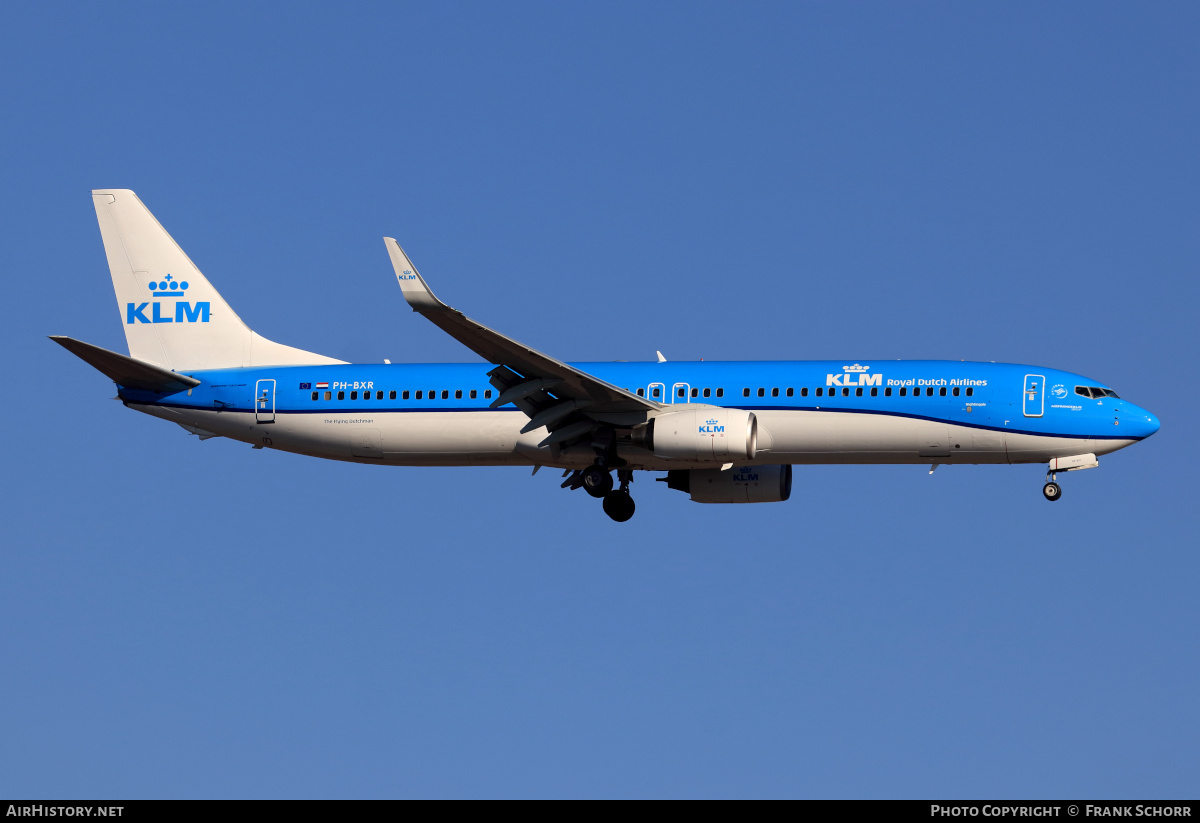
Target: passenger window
458 394
641 392
804 392
392 394
791 392
929 392
681 392
487 394
353 395
708 392
328 395
341 395
745 392
655 392
379 395
474 393
888 391
404 394
970 391
874 392
367 395
420 394
720 392
820 391
942 391
903 391
762 392
445 394
858 392
956 391
314 395
845 392
775 392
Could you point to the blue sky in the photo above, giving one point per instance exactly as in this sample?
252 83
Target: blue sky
784 181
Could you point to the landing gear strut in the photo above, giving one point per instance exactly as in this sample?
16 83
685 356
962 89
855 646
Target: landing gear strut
1052 491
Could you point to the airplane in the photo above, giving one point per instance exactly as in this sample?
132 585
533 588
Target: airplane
723 432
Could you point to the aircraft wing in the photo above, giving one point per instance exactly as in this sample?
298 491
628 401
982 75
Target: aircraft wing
535 382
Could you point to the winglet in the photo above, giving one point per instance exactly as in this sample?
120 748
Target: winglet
415 290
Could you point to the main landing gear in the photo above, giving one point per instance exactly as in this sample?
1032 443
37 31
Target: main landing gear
597 479
619 504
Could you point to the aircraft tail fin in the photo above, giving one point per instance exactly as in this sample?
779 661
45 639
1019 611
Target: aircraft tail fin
172 315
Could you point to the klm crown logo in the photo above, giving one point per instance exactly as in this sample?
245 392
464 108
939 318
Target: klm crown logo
711 427
170 289
855 375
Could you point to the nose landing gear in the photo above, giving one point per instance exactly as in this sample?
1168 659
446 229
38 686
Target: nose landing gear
1052 491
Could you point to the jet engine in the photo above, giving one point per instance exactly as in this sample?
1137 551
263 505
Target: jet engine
741 484
708 435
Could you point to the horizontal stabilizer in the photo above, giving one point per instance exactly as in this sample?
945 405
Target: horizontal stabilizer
126 371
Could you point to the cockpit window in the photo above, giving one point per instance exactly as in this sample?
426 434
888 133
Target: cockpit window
1095 392
1083 391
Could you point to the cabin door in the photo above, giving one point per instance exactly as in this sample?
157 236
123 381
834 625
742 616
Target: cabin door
1035 395
264 401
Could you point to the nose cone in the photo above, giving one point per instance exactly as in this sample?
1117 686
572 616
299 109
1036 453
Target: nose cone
1143 422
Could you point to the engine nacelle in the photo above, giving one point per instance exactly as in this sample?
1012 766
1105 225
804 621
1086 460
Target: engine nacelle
741 484
706 435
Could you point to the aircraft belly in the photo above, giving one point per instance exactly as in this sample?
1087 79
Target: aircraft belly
463 438
1036 448
236 426
836 437
493 438
826 434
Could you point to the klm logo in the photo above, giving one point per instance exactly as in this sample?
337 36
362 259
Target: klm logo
171 289
855 375
711 427
406 275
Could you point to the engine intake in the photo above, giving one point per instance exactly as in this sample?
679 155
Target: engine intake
741 484
704 435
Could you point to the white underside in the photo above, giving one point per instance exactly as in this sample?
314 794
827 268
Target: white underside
492 438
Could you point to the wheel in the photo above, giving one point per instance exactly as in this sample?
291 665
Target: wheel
596 481
1052 491
619 506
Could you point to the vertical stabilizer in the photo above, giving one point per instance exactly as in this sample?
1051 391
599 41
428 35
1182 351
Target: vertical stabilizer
172 315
